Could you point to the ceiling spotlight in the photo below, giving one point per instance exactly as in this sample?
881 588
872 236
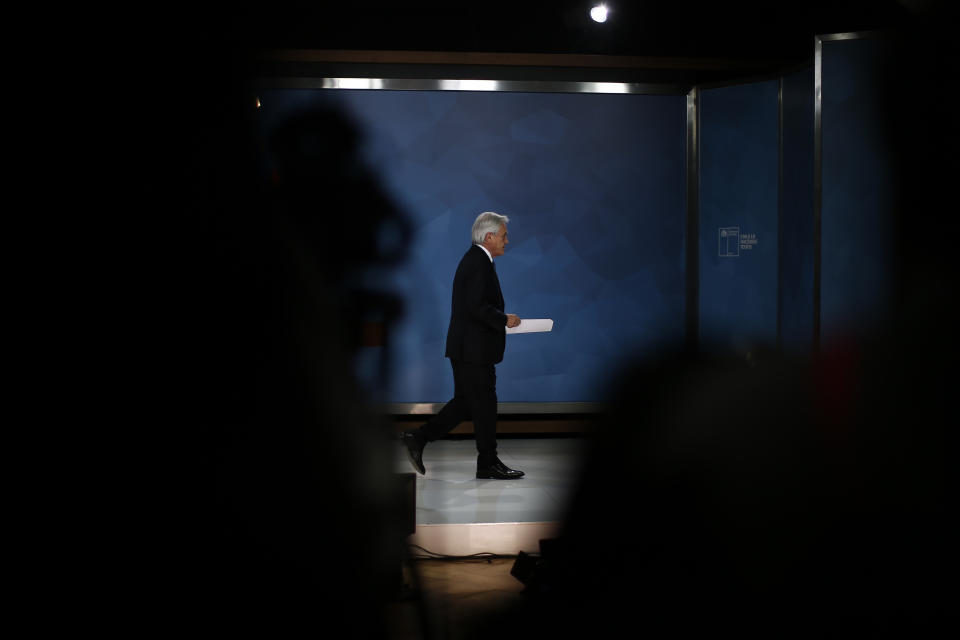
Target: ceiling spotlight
599 13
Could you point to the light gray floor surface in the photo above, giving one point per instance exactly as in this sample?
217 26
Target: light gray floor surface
449 493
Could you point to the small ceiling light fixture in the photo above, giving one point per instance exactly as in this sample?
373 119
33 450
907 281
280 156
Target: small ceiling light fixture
599 13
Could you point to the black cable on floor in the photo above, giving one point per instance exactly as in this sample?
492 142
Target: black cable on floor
473 557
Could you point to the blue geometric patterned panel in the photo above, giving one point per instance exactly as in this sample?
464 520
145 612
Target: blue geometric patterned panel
857 243
796 282
595 189
738 216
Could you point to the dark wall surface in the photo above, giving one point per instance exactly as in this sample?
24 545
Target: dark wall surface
858 246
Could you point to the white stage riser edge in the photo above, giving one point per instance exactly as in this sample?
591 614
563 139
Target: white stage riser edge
501 538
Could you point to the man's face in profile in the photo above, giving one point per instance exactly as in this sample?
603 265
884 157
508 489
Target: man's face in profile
496 242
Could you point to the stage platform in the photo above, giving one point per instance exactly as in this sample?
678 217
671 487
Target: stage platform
456 514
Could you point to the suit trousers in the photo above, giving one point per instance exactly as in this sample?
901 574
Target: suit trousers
474 398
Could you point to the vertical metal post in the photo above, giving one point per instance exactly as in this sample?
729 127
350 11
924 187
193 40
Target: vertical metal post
817 185
780 213
693 220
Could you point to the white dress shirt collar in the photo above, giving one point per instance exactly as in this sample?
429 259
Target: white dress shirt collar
486 252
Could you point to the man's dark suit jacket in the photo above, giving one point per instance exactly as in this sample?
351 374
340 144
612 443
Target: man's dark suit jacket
477 332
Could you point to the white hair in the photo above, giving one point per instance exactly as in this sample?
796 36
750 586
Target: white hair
487 222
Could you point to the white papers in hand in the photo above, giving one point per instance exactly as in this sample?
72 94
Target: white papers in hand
532 325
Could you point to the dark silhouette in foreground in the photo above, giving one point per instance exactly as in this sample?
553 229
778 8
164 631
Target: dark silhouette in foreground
280 506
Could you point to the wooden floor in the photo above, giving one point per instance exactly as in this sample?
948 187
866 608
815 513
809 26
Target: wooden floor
456 598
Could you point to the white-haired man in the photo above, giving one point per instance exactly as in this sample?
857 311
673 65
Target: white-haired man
475 342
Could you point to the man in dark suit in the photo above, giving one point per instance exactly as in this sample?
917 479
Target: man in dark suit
475 343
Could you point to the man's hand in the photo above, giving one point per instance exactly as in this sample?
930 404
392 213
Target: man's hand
512 321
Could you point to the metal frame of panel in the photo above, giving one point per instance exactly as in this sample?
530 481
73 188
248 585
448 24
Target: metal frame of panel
431 84
818 166
693 220
780 213
766 77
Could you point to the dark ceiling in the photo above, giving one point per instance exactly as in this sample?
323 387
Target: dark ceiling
776 29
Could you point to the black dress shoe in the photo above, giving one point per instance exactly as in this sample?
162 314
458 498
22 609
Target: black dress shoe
414 444
496 470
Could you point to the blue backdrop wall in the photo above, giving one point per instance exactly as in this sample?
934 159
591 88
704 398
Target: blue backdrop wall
739 155
796 246
595 189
